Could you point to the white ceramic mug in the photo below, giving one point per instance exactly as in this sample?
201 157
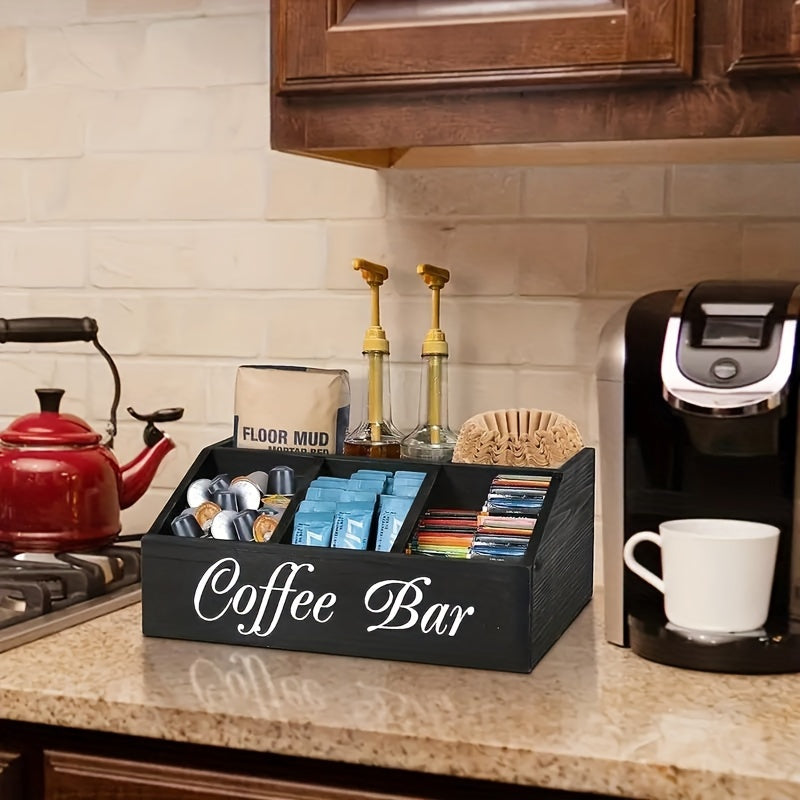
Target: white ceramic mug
717 572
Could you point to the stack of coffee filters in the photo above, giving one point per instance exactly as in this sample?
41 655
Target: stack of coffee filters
517 438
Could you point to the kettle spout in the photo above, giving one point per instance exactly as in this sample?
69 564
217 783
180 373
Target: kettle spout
137 475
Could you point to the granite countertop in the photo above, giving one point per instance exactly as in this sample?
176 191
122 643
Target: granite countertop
590 717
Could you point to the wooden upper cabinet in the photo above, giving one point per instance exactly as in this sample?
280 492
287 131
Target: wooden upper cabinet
764 37
415 83
384 45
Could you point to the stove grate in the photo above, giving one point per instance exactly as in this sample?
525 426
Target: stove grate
34 585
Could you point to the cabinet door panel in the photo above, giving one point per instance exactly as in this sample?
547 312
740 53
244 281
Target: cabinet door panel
764 37
73 776
11 782
369 45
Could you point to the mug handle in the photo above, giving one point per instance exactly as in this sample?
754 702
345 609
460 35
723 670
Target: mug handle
634 566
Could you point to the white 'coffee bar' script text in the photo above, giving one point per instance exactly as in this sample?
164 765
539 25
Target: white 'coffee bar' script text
397 604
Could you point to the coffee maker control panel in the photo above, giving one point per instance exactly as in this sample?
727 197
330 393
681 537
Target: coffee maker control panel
730 351
728 345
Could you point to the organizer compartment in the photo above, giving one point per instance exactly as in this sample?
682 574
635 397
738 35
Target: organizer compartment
344 467
501 615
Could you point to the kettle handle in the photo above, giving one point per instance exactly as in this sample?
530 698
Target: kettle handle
48 329
64 329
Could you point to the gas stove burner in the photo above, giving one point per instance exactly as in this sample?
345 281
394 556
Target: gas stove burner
25 601
44 590
104 570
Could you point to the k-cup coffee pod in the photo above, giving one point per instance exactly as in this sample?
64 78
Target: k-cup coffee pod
198 492
260 479
205 513
227 500
281 481
243 524
247 491
222 525
219 483
279 501
275 505
264 526
187 526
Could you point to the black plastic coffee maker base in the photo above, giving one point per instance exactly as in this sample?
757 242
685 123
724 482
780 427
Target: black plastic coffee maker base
770 650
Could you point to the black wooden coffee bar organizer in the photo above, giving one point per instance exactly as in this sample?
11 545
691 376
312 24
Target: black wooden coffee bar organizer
502 615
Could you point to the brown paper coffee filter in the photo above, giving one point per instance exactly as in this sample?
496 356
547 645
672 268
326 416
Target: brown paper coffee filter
517 438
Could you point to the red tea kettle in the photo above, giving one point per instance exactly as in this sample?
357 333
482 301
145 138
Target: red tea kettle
61 488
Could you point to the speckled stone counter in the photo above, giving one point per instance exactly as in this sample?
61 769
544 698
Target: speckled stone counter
590 717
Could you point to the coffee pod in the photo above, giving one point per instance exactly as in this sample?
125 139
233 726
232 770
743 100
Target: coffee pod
187 526
227 500
277 500
198 492
222 525
281 481
247 491
205 513
219 483
243 524
260 479
264 526
275 504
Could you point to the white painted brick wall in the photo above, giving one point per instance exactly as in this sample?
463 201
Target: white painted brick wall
455 192
225 118
12 59
741 189
137 187
202 325
604 191
247 257
43 123
42 12
301 188
42 257
13 194
167 186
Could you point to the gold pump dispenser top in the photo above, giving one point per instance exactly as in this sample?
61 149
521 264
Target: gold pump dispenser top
434 343
375 340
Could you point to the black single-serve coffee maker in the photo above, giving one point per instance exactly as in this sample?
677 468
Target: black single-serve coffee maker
698 405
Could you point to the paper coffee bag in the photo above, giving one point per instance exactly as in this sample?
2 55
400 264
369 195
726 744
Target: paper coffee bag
297 409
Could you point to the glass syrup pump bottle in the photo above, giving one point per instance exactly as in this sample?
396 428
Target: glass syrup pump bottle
432 439
376 435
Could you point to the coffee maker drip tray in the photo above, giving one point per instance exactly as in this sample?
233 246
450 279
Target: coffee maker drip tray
716 637
769 650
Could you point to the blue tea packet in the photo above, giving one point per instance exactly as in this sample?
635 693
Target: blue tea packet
374 473
392 513
327 506
323 493
404 488
312 528
352 523
349 495
329 480
413 475
367 485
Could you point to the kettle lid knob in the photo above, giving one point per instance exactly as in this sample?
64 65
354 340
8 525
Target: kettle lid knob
49 426
49 399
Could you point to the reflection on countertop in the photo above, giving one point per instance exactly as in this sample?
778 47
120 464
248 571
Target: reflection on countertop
590 717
